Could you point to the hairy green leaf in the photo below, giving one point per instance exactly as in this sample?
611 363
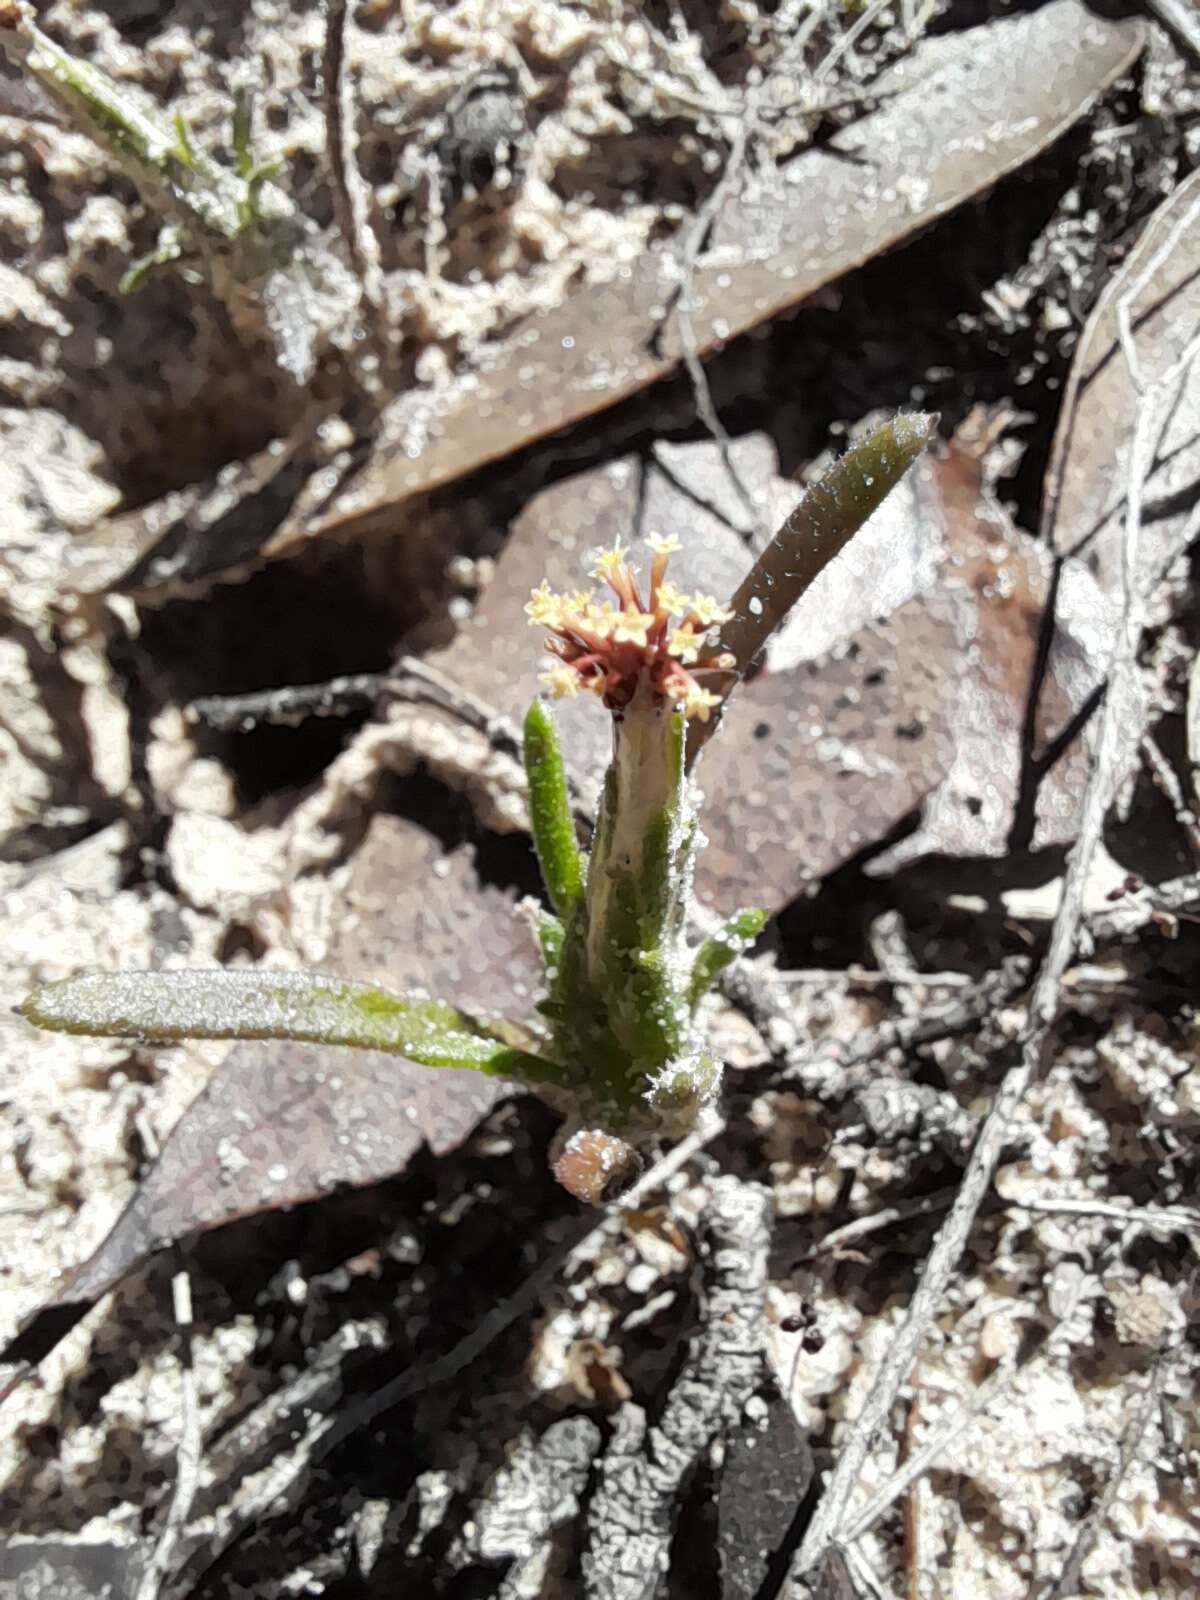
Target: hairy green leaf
828 517
277 1005
715 954
550 811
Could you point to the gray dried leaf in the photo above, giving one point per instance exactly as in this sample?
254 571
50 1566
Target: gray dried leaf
68 1569
1004 580
284 1123
765 1476
1088 479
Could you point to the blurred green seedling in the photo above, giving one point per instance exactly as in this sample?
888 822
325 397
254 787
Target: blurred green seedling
224 217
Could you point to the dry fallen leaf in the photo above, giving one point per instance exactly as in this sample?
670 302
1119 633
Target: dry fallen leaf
765 1475
1005 579
280 1124
1089 469
967 108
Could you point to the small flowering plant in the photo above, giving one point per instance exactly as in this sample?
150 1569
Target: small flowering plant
624 984
618 1045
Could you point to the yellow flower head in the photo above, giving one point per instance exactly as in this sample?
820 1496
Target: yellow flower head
610 648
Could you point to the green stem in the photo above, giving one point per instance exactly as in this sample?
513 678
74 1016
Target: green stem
216 201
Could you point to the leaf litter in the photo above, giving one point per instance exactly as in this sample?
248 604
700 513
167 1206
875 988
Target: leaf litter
609 339
985 593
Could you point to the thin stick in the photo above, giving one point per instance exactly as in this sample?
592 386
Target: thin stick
1070 1578
827 1523
350 195
693 244
814 1066
963 1418
188 1452
903 1211
863 1576
1160 1219
867 978
845 44
1180 19
1167 779
410 679
920 1461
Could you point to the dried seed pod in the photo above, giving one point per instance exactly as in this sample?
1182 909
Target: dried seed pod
594 1166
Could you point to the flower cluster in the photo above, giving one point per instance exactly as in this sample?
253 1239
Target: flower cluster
610 649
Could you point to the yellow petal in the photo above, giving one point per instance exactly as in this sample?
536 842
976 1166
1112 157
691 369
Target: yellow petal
699 703
544 607
671 599
706 610
609 562
631 627
562 682
685 642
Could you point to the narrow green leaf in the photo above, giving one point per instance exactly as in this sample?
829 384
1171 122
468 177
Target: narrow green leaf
310 1008
550 811
169 248
550 934
827 518
243 160
184 151
256 179
830 514
715 954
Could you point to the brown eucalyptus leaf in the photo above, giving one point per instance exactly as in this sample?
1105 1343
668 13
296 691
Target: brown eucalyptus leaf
1088 479
1005 581
963 110
284 1123
968 108
817 758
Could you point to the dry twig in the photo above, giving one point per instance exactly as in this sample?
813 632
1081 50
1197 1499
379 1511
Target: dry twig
188 1452
190 1448
1070 1578
321 1387
849 1234
827 1068
1155 1219
693 244
1167 779
350 194
1179 18
918 1463
632 1511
